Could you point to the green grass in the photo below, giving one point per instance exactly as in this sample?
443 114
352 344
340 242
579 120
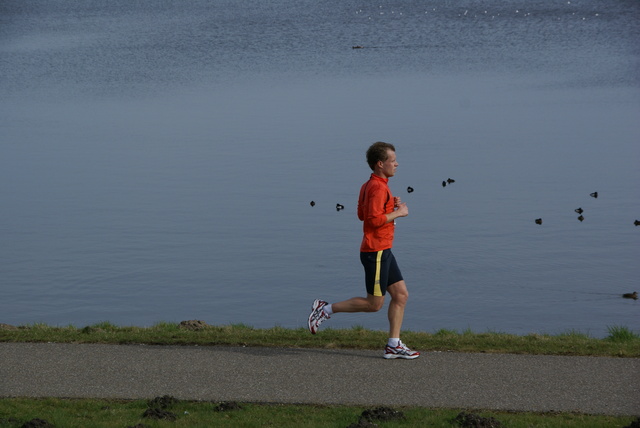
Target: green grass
621 341
621 335
15 412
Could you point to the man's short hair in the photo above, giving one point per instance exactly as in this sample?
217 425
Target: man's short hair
378 152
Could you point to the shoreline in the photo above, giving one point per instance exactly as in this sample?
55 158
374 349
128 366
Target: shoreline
622 342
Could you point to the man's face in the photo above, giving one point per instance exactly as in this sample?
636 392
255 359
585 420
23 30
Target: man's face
389 166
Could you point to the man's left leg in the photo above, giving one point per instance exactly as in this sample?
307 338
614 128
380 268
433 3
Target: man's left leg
395 348
399 296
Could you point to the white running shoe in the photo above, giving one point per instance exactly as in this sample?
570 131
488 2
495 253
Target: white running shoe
317 315
400 351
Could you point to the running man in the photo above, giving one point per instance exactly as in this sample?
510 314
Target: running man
378 209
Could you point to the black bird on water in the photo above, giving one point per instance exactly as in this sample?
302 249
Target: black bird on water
450 180
594 194
636 223
444 184
633 295
409 189
579 210
339 207
581 218
538 221
312 203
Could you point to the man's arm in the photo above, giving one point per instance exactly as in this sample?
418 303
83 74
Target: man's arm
377 198
401 211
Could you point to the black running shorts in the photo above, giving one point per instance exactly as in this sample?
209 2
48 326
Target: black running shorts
380 271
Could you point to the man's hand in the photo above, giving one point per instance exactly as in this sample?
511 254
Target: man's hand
402 210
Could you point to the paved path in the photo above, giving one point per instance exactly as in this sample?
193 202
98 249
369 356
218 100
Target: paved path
452 380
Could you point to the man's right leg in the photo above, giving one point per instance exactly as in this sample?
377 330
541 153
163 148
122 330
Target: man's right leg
359 304
375 270
320 309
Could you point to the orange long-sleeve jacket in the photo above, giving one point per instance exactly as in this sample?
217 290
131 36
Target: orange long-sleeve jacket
374 203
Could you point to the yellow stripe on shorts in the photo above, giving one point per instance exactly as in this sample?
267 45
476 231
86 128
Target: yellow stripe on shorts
376 284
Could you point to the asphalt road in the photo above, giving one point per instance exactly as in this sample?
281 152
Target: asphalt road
592 385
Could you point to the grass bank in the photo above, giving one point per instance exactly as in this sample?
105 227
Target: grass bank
621 342
15 413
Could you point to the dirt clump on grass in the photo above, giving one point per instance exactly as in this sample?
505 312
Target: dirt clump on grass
226 406
157 408
383 414
159 414
37 423
163 402
193 325
634 424
363 423
472 420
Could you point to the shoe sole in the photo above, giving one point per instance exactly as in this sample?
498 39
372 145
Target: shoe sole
396 356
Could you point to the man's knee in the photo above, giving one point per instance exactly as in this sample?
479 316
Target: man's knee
399 293
375 303
400 299
375 307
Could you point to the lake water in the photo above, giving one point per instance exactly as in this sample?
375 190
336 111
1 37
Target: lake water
158 159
